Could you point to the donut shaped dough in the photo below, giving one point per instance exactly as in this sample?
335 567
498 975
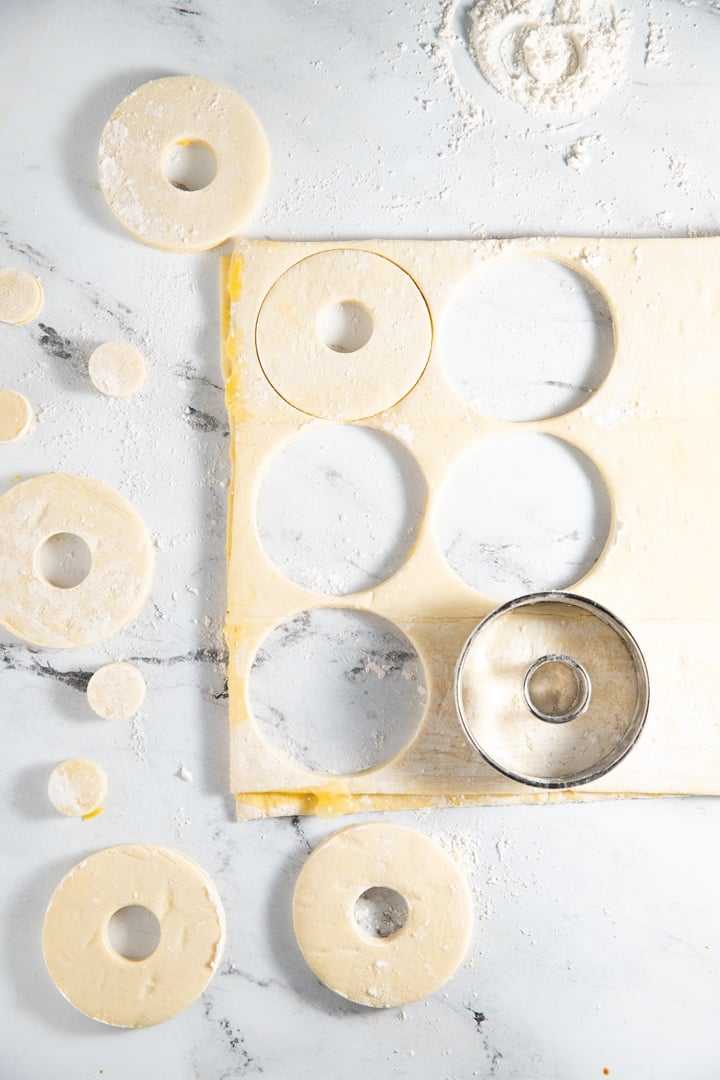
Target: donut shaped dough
117 369
411 963
316 378
120 574
116 691
77 787
21 296
99 981
141 132
15 415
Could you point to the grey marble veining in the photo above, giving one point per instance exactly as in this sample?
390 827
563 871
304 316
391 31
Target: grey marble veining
596 939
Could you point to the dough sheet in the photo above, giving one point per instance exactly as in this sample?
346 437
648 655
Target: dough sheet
651 429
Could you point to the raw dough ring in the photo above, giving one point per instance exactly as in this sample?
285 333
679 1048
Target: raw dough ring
149 123
411 963
99 981
344 385
119 578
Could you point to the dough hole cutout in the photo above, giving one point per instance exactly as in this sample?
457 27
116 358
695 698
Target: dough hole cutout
21 296
344 327
368 497
77 786
523 513
337 691
116 691
117 369
64 560
526 339
134 932
325 370
381 912
15 415
190 165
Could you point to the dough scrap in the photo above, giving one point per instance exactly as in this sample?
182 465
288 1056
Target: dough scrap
21 296
382 971
77 787
146 126
99 981
15 415
116 691
122 561
117 369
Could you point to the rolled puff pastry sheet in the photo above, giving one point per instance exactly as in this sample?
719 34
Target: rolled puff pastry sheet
382 971
95 978
121 550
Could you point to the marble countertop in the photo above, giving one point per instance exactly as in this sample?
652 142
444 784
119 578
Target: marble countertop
596 946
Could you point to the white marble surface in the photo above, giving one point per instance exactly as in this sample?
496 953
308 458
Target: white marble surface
597 933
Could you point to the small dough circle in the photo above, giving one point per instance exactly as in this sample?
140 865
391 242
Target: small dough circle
116 691
411 963
117 369
21 296
99 981
15 415
122 561
77 787
316 378
143 130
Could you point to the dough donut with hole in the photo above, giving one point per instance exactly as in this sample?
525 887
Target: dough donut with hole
142 131
99 981
122 561
417 959
316 377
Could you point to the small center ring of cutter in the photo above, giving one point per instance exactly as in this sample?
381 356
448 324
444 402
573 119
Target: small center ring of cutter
581 699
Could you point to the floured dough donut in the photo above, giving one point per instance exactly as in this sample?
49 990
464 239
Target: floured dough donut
144 130
117 369
355 381
77 787
15 415
407 965
21 296
116 691
120 548
95 978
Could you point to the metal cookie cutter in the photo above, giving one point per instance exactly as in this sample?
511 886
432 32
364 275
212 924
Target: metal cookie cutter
552 690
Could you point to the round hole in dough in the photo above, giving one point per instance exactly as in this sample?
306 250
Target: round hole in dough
134 932
93 976
116 691
344 327
64 560
117 369
21 296
368 495
380 912
404 966
336 384
526 339
77 787
122 561
135 144
522 513
365 671
15 415
190 166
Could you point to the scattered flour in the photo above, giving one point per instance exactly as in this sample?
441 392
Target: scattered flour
657 51
559 60
577 156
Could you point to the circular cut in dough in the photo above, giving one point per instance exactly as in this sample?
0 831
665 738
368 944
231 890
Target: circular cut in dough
382 971
95 978
15 415
77 787
318 378
145 128
122 561
116 691
21 296
117 369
